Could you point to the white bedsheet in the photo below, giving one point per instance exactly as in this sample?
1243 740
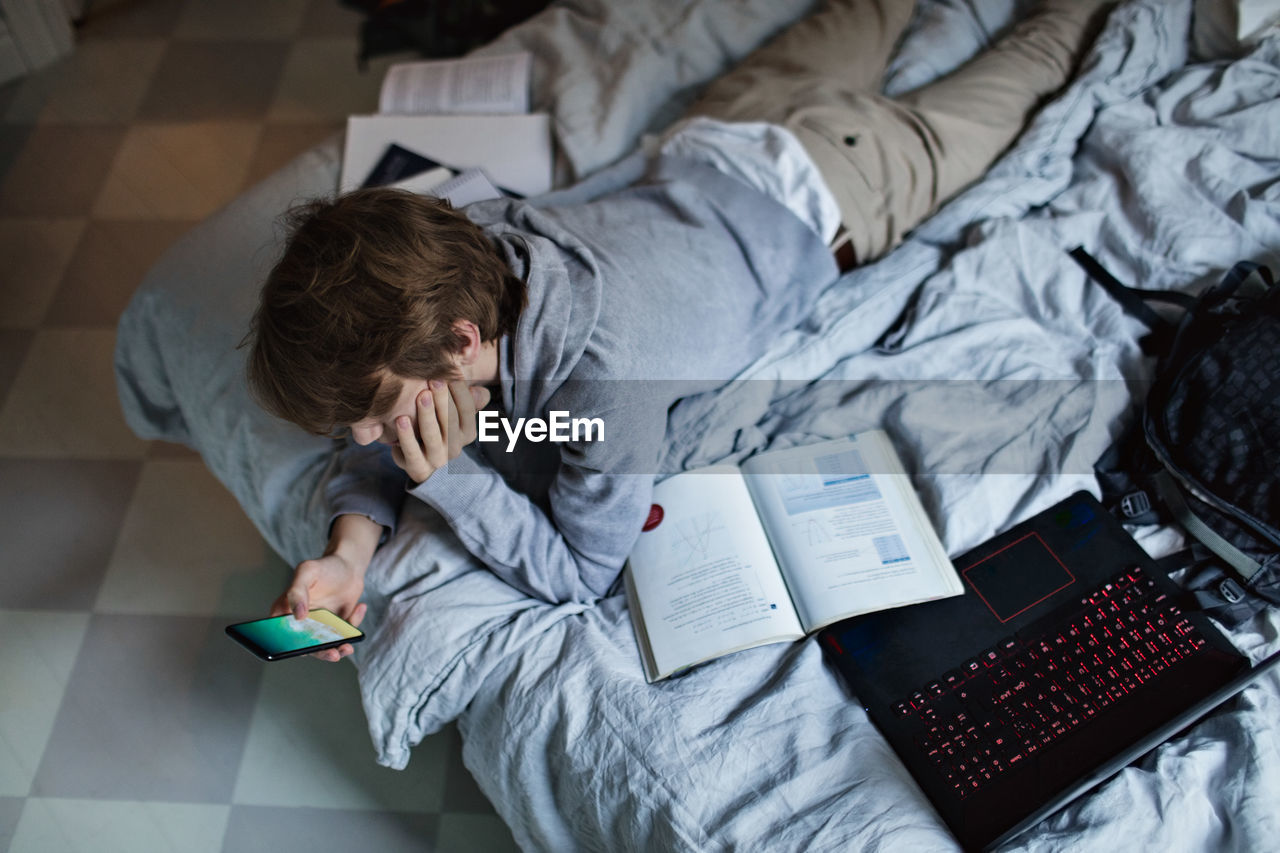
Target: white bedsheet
979 316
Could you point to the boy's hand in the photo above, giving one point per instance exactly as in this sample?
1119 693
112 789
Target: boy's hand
330 582
446 424
336 580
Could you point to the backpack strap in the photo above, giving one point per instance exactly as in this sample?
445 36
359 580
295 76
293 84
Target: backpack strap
1134 301
1213 590
1252 280
1171 494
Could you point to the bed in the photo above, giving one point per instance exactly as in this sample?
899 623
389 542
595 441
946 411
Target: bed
1000 372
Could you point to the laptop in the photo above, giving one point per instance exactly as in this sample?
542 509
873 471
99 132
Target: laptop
1067 658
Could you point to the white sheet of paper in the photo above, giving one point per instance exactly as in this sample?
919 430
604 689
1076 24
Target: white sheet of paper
513 150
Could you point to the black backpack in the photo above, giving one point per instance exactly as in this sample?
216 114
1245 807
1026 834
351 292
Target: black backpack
435 28
1206 452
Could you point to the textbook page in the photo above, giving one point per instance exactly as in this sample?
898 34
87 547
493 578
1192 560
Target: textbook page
850 533
480 84
703 573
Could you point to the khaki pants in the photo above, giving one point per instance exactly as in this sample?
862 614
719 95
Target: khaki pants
892 162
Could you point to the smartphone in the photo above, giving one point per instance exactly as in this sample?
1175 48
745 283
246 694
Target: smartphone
278 637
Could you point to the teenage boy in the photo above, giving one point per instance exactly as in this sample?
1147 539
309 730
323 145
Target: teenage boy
396 318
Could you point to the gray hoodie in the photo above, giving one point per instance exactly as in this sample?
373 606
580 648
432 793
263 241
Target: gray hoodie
637 299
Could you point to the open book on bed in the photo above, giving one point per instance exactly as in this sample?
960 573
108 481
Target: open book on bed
438 119
771 551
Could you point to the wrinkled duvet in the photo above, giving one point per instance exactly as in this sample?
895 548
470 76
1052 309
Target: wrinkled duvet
999 371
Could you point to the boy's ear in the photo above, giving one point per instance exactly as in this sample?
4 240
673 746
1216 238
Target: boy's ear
471 332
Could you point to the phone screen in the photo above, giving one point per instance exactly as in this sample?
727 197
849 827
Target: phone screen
284 636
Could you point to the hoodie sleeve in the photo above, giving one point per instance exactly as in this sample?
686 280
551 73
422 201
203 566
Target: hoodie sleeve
575 549
366 481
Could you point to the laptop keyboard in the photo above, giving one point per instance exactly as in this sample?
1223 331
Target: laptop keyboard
997 710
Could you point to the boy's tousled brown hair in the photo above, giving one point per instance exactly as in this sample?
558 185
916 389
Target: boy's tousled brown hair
372 281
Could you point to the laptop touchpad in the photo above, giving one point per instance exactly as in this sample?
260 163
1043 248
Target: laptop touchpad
1018 577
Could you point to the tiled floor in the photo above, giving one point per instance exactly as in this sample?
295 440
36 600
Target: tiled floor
127 720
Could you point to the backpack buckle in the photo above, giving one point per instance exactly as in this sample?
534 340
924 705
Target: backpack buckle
1135 504
1231 591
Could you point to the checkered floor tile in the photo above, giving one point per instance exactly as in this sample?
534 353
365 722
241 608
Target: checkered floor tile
127 720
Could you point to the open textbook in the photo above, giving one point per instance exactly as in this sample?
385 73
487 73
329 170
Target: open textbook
456 114
771 551
492 85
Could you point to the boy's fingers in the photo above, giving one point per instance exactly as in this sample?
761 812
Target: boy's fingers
481 396
356 616
464 400
441 397
432 427
296 597
414 462
465 407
